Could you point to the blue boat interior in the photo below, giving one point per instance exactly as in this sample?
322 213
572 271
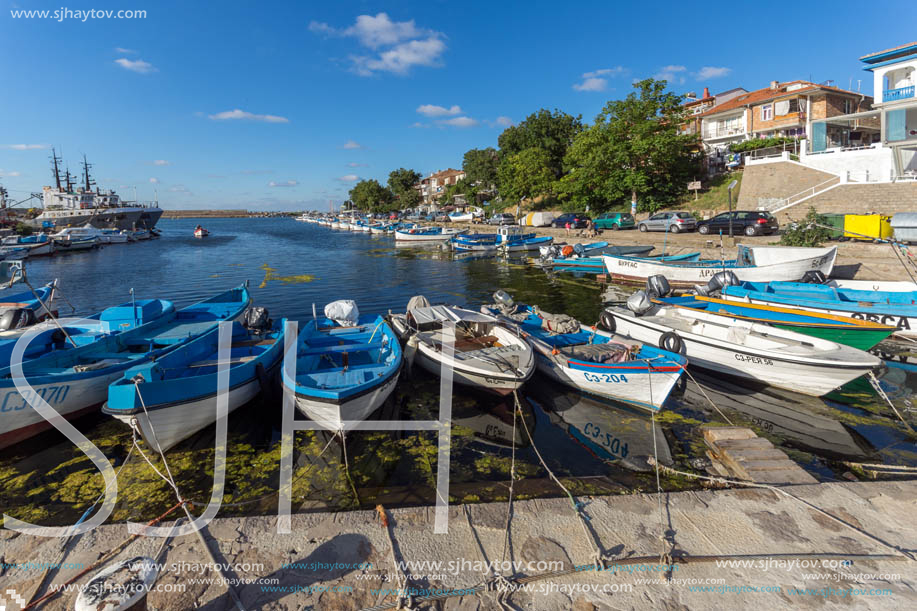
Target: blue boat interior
821 292
737 309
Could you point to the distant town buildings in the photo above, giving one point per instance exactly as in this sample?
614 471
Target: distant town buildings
433 187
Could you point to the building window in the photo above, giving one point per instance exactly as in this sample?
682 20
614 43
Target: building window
794 105
767 112
848 107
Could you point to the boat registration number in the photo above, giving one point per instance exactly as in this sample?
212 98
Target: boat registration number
606 440
886 319
757 360
14 401
606 377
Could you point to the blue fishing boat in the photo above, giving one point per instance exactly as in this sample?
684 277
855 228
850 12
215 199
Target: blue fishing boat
596 265
894 308
343 372
175 395
526 244
74 381
19 310
590 360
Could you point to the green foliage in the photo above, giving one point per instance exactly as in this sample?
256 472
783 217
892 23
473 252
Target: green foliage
759 143
402 181
550 132
462 187
409 199
480 166
633 149
525 174
23 229
805 232
370 196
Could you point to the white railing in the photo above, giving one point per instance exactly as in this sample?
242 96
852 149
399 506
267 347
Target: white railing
721 132
804 194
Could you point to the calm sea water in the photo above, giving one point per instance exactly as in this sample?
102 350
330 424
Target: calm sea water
291 266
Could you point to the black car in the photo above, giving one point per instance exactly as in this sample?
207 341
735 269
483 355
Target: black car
748 222
577 220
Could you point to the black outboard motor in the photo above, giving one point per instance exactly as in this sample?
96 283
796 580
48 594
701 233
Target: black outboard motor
814 276
657 286
18 318
579 250
639 303
720 280
702 290
256 319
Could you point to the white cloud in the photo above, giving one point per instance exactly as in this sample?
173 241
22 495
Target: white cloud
136 65
179 189
400 44
458 122
154 181
349 178
357 165
124 51
708 72
26 147
350 144
161 162
285 183
671 74
237 115
253 172
418 124
597 80
431 110
9 174
504 121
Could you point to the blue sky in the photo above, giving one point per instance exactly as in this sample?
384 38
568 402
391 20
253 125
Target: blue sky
272 106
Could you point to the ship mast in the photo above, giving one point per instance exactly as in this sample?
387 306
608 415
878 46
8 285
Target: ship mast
55 160
69 180
86 180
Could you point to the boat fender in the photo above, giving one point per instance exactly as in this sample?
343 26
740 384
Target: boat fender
814 276
17 318
410 351
657 286
671 342
608 322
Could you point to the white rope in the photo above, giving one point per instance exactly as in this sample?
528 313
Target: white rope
649 378
703 392
874 381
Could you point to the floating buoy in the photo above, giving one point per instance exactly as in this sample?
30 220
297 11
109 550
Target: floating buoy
120 587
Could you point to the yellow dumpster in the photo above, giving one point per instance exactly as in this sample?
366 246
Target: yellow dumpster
867 226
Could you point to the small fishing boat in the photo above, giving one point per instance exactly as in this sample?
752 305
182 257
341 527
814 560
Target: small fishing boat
74 380
485 355
21 310
861 334
895 308
75 244
597 264
591 360
346 366
526 244
200 232
427 234
140 234
578 251
772 266
114 236
178 393
475 242
13 253
781 358
36 245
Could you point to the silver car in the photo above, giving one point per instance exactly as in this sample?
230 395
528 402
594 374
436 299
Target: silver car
674 222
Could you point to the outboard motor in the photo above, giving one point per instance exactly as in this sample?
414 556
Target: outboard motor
256 319
702 290
639 303
18 318
814 276
658 286
720 280
502 299
579 249
418 301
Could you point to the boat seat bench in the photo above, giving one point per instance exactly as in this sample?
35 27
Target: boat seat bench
344 348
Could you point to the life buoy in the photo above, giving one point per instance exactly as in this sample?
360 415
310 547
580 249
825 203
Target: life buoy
566 250
607 319
671 342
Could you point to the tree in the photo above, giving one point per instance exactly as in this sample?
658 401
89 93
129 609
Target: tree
633 150
402 180
370 196
811 231
409 199
526 174
551 132
480 166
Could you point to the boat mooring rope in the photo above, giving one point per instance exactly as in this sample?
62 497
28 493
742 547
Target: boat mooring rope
874 382
703 392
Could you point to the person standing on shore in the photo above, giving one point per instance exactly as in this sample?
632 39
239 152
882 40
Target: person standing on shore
567 227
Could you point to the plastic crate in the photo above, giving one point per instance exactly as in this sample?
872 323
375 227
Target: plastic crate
836 221
867 226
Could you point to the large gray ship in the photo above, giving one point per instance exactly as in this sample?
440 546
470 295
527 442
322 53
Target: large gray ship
67 204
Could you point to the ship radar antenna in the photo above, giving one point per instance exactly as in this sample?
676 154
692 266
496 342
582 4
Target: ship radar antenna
69 180
55 166
87 181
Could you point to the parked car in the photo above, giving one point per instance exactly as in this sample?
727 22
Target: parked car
675 222
502 218
577 220
749 222
615 221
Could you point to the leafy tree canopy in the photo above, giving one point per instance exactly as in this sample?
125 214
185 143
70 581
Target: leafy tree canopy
480 166
525 174
550 132
633 150
370 196
402 180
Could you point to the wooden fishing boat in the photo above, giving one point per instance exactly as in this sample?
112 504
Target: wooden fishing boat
777 357
593 361
178 393
860 334
485 355
555 252
746 266
20 310
597 264
75 380
428 234
343 373
200 232
895 308
526 244
75 244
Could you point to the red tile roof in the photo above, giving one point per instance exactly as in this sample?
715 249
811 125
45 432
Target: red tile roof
763 95
904 46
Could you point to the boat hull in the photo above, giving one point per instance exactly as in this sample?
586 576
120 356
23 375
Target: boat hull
120 218
332 414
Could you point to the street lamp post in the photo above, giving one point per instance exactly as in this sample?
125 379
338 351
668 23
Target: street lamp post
729 190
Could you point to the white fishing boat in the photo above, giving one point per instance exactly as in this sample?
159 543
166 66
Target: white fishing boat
775 356
485 356
790 265
427 234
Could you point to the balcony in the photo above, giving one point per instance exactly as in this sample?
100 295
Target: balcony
901 93
722 132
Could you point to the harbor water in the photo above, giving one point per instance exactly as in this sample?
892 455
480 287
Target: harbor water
596 447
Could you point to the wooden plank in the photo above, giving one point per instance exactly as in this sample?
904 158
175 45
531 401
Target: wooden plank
216 362
724 433
759 443
757 455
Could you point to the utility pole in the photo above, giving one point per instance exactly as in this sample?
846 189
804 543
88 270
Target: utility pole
729 190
